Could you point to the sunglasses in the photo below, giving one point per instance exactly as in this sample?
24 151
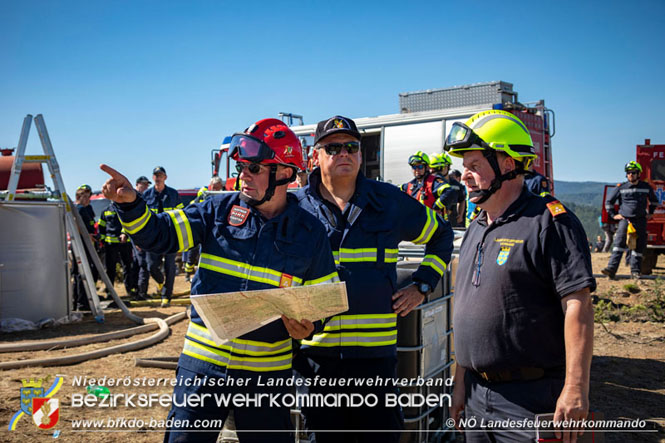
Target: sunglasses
253 168
336 148
632 172
417 166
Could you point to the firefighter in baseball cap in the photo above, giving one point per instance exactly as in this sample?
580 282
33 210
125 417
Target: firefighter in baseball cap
253 240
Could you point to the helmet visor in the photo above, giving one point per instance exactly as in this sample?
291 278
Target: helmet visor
461 137
245 147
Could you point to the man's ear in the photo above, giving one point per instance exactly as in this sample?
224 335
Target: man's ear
508 164
315 157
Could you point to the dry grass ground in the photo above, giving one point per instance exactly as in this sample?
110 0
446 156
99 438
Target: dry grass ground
628 370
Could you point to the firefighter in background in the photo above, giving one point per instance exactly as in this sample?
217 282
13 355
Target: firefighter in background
161 198
191 257
140 260
632 197
424 185
118 249
448 194
365 221
255 239
83 194
537 183
461 204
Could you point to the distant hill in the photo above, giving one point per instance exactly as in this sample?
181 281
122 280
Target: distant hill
586 200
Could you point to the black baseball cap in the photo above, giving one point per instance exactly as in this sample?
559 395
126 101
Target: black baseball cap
143 179
159 169
336 125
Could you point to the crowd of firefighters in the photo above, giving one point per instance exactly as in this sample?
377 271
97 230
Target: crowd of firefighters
523 315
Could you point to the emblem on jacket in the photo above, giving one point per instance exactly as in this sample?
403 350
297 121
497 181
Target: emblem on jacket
503 255
238 215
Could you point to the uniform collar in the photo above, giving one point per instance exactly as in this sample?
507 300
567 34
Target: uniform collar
364 195
513 211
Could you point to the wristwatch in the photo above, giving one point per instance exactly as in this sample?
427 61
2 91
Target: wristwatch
424 288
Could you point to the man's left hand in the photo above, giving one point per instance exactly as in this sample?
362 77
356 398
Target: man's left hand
298 329
572 405
406 299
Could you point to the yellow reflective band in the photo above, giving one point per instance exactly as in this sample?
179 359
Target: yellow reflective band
135 226
110 239
363 339
435 263
391 255
222 358
182 228
243 270
239 346
330 278
361 321
430 227
102 222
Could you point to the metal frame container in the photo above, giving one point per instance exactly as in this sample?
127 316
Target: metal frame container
34 269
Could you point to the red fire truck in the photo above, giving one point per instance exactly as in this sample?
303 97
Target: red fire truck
652 159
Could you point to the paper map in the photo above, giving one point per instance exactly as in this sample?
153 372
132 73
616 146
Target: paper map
232 314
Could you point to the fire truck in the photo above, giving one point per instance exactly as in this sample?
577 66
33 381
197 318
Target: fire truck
424 121
652 159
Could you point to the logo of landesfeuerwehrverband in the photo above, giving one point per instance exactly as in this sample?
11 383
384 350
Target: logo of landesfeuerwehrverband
33 389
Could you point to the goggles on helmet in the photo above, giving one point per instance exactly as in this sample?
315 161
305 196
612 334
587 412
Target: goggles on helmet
248 148
416 159
461 136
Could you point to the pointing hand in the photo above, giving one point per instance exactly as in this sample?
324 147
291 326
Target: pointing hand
117 188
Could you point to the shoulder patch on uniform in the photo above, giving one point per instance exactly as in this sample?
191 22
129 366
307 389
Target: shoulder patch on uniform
238 215
556 208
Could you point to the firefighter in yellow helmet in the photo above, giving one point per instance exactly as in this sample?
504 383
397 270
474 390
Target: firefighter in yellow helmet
424 185
523 314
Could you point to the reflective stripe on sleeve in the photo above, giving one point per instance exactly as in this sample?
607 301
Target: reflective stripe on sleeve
244 270
135 226
428 230
182 228
435 263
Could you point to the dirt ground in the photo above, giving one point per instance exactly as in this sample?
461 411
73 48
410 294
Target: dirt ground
627 377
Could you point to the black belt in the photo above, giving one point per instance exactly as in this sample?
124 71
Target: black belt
521 374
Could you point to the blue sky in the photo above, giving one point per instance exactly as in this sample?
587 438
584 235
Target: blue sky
142 83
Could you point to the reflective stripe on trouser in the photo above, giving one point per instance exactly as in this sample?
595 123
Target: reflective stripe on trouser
620 247
257 273
366 330
250 355
347 255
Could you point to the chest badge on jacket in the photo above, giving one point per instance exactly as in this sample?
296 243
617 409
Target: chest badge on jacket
503 255
238 215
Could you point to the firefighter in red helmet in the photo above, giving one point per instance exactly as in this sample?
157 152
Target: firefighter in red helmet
255 239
